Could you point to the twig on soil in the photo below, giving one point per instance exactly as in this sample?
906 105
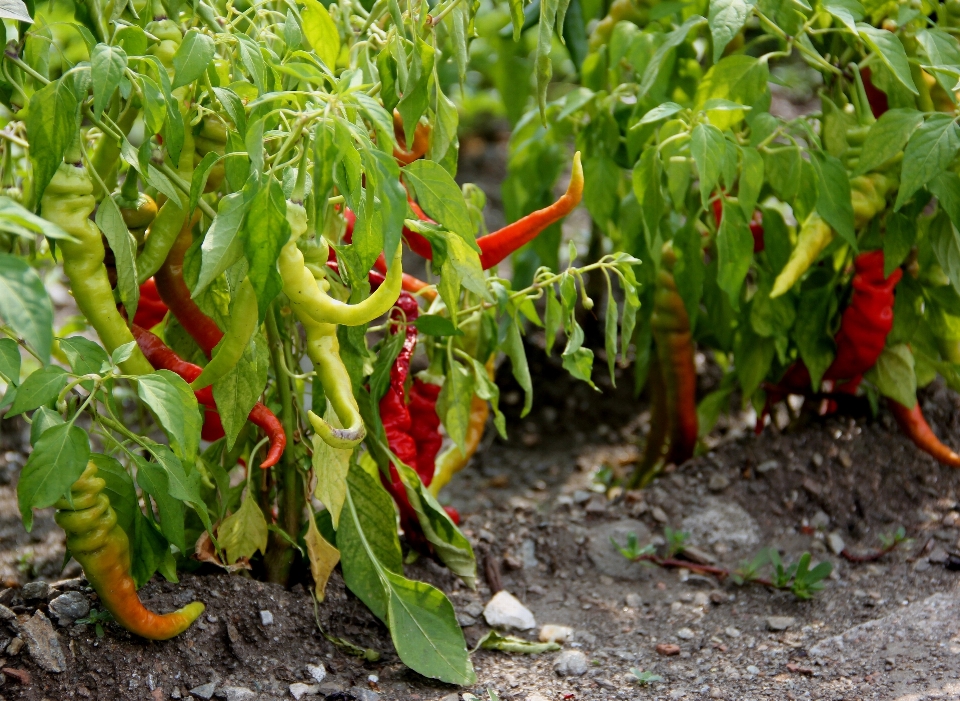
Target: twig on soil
719 572
868 557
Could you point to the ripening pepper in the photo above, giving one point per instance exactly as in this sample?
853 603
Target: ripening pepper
815 235
421 141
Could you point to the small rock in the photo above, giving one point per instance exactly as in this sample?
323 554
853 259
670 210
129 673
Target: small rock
528 554
204 691
686 634
330 688
731 632
939 555
15 646
777 623
238 693
35 590
581 496
721 522
570 663
695 554
6 595
317 671
820 520
752 669
504 610
70 606
835 543
6 614
634 601
816 459
596 505
452 697
555 634
364 694
266 618
474 608
535 697
718 597
767 466
845 459
718 482
659 514
668 649
299 690
43 643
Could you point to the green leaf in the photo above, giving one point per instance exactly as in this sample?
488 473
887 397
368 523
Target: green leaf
252 60
331 466
751 180
264 233
941 50
945 241
42 419
194 54
15 9
155 481
175 406
53 121
577 360
511 643
513 347
120 490
107 65
85 356
734 251
887 137
453 403
487 389
898 239
239 390
894 375
243 533
726 19
234 107
833 197
610 332
9 361
40 388
849 12
199 180
811 331
667 109
436 325
16 219
738 78
673 39
647 186
542 62
929 152
25 305
221 246
707 146
57 461
124 247
321 32
890 51
442 198
553 318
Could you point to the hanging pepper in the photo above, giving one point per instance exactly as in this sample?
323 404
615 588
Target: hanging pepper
425 427
164 358
211 139
151 310
319 315
102 548
815 235
243 324
677 383
68 202
868 194
916 428
137 208
452 460
421 141
497 246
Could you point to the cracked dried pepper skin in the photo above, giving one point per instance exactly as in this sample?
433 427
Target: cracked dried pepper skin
101 547
68 202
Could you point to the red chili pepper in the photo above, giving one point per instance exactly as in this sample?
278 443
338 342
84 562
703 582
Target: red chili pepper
453 514
877 98
151 309
164 358
425 427
916 428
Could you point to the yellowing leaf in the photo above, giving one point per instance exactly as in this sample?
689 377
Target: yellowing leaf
323 558
321 32
331 465
245 532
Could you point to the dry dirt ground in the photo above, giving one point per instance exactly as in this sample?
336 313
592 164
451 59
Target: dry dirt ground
883 630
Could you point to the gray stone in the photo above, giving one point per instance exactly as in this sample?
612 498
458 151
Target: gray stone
938 556
528 553
464 620
767 466
238 693
721 522
15 646
474 608
659 514
505 611
299 690
634 601
364 694
778 623
718 482
731 632
752 669
570 663
820 520
835 543
70 606
6 614
686 634
35 590
266 618
607 558
317 671
43 643
204 691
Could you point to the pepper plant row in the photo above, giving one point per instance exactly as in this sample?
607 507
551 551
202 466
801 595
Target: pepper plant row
229 189
813 255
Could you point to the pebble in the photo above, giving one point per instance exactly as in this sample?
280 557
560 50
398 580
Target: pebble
820 520
721 522
570 663
835 543
634 601
362 694
266 618
938 556
32 591
299 690
474 608
317 671
6 614
767 466
69 607
238 693
43 643
777 623
15 646
535 697
753 669
204 691
659 514
505 610
718 482
731 632
555 634
528 554
668 649
686 634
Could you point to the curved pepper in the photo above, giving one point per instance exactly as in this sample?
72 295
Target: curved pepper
68 202
319 314
916 428
151 310
452 460
815 235
164 358
421 141
243 324
103 550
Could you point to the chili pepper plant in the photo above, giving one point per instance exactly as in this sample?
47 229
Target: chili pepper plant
812 255
227 190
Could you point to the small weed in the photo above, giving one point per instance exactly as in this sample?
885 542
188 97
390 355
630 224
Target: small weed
96 619
644 678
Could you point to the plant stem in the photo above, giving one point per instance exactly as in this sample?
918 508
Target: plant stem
290 497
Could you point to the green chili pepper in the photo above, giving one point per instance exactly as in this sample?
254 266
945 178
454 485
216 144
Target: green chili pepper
243 324
815 235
